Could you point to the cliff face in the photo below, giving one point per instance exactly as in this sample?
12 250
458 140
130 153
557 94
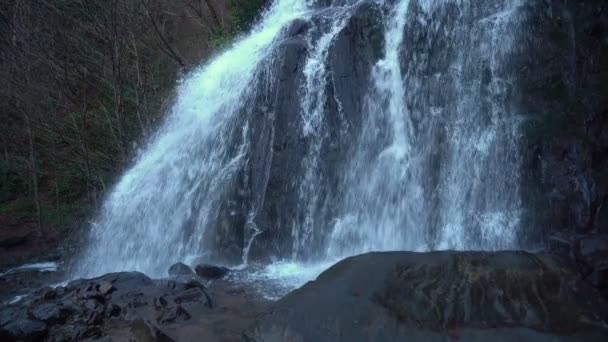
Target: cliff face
508 122
560 87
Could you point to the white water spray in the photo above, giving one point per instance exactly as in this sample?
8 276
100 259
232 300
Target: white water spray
159 211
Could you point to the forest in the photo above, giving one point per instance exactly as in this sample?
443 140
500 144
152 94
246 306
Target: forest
84 83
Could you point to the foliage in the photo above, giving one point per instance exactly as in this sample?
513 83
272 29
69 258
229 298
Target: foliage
245 12
82 82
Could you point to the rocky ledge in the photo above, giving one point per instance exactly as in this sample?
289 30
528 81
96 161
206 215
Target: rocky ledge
399 296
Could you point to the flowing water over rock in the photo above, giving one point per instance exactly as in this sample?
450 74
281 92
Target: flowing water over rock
333 128
161 208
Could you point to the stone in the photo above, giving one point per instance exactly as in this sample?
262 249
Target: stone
211 272
179 269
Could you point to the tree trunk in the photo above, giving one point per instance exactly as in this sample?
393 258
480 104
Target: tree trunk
33 171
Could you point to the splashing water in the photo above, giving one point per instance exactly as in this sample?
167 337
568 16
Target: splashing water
158 212
436 171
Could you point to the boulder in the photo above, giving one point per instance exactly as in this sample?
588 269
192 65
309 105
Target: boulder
179 269
211 272
439 296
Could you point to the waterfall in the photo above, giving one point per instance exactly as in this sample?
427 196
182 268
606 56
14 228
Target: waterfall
407 189
159 211
330 141
377 207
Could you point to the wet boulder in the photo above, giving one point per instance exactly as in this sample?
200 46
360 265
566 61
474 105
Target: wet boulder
179 269
211 272
439 296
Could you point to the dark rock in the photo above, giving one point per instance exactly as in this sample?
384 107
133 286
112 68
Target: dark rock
211 272
440 296
14 237
23 330
93 305
113 310
191 295
93 318
561 245
278 146
180 269
175 314
561 84
68 332
165 309
50 313
591 252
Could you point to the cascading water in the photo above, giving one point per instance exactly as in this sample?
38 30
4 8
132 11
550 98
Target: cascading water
426 156
380 205
407 189
159 211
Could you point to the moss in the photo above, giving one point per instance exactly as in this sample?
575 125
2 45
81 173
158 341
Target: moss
245 12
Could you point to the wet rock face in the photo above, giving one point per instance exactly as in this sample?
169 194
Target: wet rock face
531 73
278 145
437 296
561 87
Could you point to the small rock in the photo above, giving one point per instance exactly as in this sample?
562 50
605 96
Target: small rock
180 269
211 272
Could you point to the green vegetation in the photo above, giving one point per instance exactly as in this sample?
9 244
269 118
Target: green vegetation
83 82
245 12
